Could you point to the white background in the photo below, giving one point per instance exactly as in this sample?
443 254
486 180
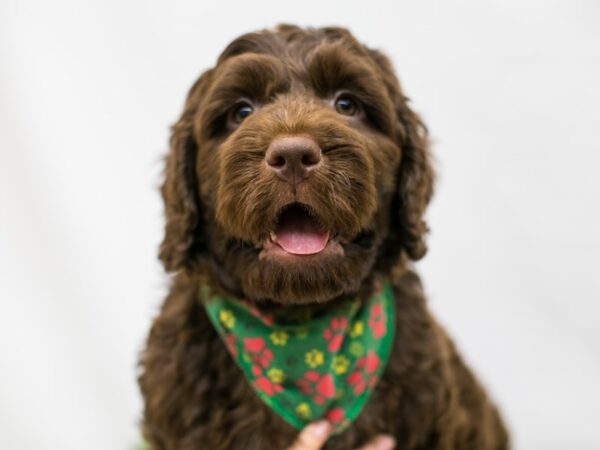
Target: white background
509 89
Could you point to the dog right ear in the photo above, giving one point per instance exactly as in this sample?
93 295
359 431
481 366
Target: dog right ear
415 177
184 240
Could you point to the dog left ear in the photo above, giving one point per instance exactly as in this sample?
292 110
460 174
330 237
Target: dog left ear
415 176
183 240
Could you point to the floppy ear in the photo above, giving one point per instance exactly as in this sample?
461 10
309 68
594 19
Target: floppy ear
415 181
183 240
415 175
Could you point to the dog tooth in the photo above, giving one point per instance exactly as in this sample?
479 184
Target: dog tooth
273 236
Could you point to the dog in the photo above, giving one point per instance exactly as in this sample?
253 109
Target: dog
297 178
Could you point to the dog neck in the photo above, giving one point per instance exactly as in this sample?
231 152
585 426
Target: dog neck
221 283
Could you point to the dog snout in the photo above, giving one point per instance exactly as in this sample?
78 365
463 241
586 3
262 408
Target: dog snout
293 158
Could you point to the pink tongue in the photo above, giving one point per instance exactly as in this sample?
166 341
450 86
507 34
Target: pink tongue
299 234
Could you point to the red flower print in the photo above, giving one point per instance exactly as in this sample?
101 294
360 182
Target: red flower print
357 381
370 362
363 375
325 387
259 354
230 344
265 385
310 378
377 321
319 387
335 333
335 415
253 344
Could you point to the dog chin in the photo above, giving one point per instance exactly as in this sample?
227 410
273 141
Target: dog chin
276 275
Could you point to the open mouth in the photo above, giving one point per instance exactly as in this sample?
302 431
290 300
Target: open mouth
298 231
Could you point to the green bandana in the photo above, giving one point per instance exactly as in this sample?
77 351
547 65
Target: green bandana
308 365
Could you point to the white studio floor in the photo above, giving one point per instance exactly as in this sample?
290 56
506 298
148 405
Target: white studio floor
87 92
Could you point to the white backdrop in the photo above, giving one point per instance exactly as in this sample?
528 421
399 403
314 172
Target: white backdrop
509 90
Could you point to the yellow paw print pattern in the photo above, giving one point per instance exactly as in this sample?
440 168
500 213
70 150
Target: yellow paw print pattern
356 349
314 358
303 410
301 333
357 329
227 318
278 337
275 375
340 364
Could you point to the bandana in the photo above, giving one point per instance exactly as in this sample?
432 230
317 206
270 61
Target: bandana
309 363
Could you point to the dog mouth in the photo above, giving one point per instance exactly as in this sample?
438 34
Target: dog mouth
298 231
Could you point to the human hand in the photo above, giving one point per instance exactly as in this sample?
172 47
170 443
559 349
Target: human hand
314 435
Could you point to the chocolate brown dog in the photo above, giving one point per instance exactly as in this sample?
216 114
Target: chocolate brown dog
297 175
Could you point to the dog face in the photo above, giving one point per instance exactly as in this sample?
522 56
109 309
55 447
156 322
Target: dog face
296 169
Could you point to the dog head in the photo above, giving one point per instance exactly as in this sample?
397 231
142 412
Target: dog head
296 169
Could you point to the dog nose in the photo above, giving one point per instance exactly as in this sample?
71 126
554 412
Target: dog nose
292 158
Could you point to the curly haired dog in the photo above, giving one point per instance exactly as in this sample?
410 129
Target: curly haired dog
305 127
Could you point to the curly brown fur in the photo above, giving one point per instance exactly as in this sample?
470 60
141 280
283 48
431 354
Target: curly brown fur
222 200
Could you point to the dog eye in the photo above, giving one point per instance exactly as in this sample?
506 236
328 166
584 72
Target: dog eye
241 112
346 106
